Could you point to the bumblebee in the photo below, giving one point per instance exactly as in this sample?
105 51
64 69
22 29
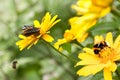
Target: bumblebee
30 30
98 47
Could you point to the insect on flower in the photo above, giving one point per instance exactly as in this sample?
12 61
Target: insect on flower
32 34
105 60
99 46
30 30
14 64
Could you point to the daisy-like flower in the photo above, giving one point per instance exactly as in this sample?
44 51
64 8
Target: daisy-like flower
99 7
32 36
90 11
78 30
102 57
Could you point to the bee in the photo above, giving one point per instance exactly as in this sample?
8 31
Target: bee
98 47
30 30
14 64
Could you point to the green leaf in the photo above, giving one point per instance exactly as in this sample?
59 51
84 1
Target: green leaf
67 46
104 27
98 76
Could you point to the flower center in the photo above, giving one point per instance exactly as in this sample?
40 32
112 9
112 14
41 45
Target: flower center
106 52
103 50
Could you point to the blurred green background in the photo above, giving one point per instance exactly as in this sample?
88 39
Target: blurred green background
41 62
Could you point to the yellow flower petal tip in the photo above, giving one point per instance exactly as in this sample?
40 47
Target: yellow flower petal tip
47 38
36 23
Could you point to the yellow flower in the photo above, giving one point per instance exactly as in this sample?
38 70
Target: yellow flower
90 11
44 26
80 25
99 7
101 57
78 30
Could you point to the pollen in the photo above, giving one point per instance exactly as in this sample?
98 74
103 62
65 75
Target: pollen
106 52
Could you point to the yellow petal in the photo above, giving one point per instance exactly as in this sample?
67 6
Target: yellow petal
53 19
36 41
59 43
88 62
22 44
88 59
108 64
37 24
29 46
117 42
55 22
91 69
88 50
84 3
33 42
69 36
47 22
107 74
117 55
109 39
82 6
98 39
79 10
47 38
28 41
102 3
113 67
105 11
22 36
19 43
82 38
85 56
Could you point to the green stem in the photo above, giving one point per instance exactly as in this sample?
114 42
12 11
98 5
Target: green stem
60 52
91 35
61 65
115 11
76 42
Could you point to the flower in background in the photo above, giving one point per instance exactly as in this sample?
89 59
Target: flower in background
90 11
101 57
79 26
31 34
99 7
